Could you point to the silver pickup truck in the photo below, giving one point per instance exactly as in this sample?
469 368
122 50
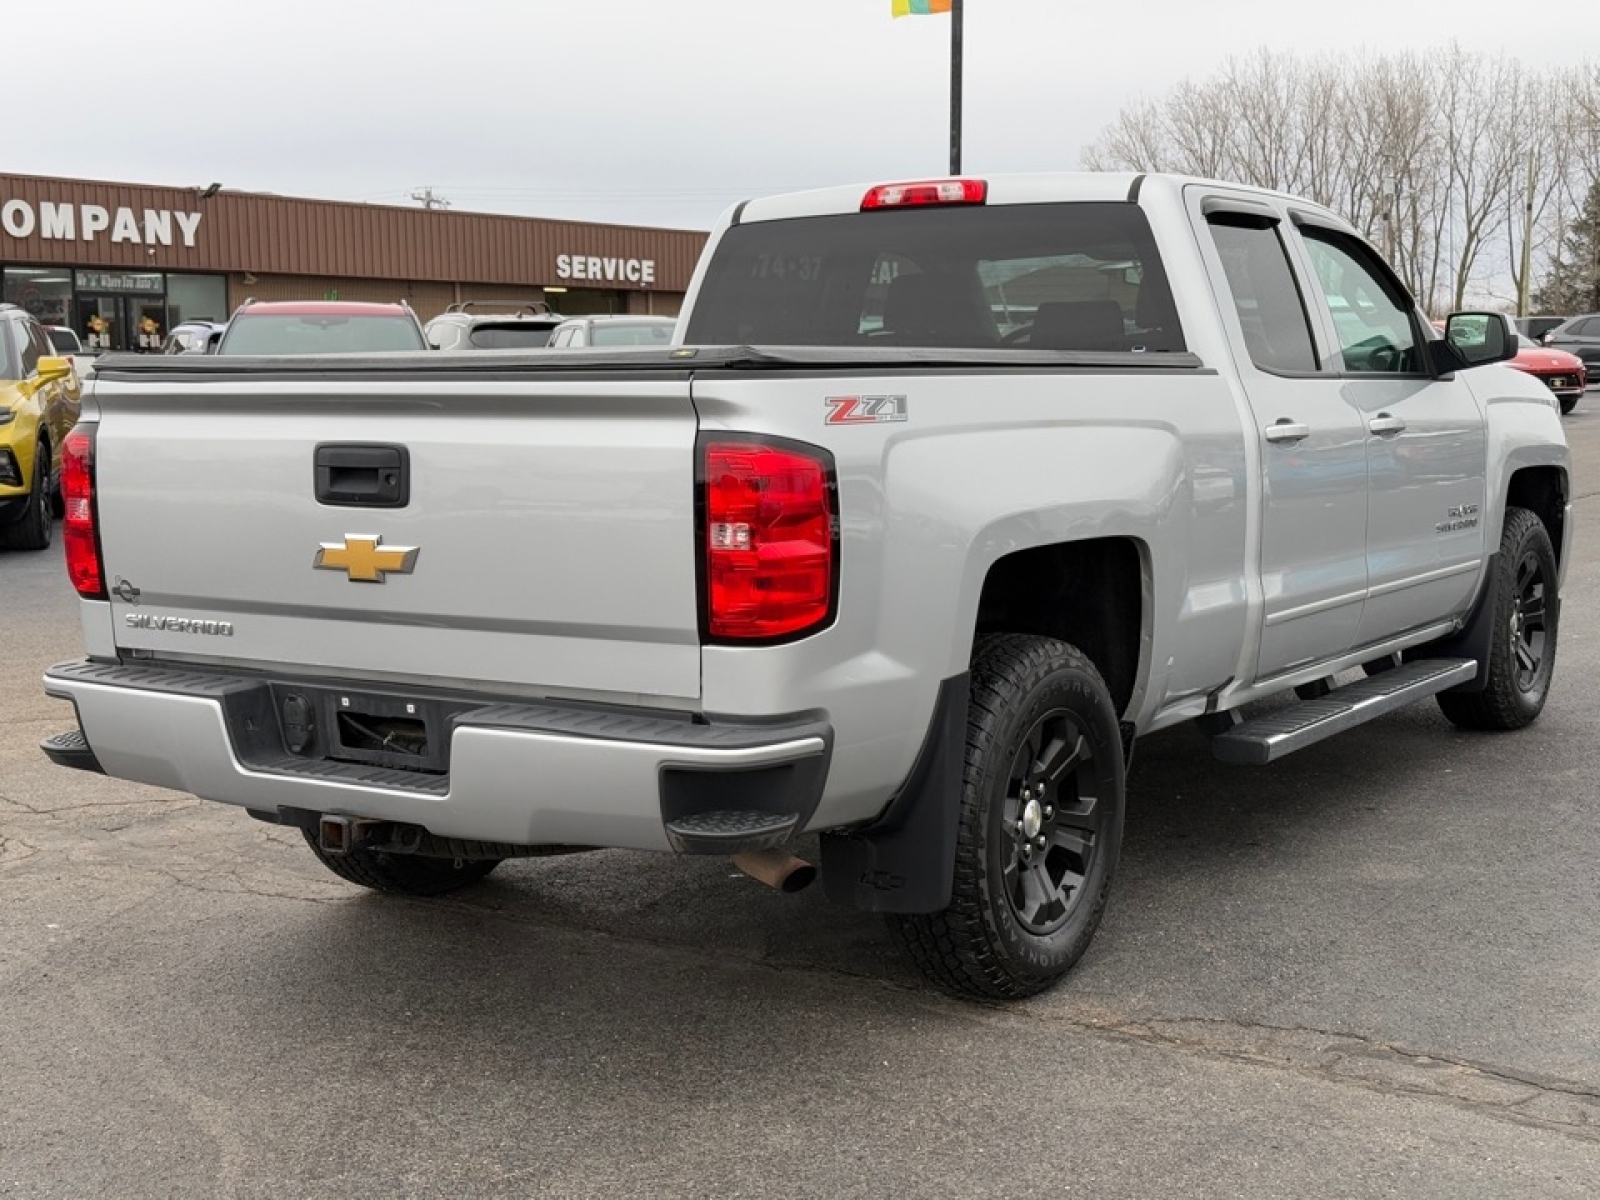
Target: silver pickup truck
946 493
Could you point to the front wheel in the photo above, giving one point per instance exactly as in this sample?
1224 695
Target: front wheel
1568 403
407 874
34 530
1527 616
1041 824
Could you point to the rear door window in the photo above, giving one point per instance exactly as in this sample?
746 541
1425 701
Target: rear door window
1272 312
1041 276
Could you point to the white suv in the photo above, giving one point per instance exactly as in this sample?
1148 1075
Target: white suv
496 325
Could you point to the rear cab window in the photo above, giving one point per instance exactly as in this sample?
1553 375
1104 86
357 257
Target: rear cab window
264 333
514 335
632 335
1071 276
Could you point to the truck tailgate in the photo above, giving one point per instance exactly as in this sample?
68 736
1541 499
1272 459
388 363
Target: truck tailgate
552 521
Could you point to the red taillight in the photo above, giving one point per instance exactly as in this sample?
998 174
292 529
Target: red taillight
932 191
78 530
770 540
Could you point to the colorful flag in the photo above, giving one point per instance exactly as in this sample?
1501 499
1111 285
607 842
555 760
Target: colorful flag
919 8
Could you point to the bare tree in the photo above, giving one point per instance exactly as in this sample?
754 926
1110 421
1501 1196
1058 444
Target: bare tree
1436 158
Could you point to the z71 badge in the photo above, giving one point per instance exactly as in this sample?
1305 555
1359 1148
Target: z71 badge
865 410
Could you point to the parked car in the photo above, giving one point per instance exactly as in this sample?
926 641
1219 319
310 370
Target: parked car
493 325
1563 373
613 331
38 408
65 340
321 327
1537 327
1580 336
199 336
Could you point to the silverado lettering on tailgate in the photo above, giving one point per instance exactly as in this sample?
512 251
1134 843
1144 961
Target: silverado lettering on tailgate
178 624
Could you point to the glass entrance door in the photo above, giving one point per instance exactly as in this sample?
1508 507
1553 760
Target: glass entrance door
123 324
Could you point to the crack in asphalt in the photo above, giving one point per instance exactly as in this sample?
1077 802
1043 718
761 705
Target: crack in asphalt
1567 1107
240 888
66 808
1563 1106
23 849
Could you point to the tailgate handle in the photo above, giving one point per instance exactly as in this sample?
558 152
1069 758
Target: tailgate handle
357 475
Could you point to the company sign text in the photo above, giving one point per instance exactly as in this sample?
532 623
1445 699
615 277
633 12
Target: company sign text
95 222
607 270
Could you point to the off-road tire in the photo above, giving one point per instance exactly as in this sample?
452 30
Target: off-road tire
34 530
406 874
980 947
1523 592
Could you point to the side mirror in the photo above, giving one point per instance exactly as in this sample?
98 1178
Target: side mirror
1481 337
52 369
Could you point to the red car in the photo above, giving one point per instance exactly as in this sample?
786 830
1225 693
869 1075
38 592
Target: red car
321 327
1563 373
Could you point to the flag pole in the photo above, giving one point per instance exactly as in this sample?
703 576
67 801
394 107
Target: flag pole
955 87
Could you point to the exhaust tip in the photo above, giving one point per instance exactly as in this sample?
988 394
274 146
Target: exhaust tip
778 869
799 878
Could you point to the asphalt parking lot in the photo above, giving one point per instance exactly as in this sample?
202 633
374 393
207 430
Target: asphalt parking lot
1370 970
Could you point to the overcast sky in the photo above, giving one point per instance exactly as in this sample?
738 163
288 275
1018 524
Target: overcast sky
638 111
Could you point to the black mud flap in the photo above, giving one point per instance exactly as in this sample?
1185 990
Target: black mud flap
1476 639
905 861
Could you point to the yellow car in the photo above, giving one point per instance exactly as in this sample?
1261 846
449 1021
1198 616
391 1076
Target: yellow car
39 396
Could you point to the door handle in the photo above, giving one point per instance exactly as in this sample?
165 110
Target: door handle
1386 423
1285 430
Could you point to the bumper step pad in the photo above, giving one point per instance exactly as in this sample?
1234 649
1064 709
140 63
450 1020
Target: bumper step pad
71 749
728 832
1270 737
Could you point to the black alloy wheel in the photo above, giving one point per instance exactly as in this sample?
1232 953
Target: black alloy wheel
1528 615
1049 823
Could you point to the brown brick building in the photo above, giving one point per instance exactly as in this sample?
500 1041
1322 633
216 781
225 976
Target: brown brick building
125 262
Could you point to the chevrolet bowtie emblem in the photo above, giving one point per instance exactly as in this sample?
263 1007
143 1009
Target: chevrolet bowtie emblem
363 559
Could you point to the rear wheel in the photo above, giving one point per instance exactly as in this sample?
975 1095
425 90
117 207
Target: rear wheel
34 530
1527 616
1041 824
407 874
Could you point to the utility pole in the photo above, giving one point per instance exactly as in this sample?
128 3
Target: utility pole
955 87
1593 204
1527 243
1391 205
429 200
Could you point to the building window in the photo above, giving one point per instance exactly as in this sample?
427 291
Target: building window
45 293
196 298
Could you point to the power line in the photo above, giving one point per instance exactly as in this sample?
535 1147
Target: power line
429 200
